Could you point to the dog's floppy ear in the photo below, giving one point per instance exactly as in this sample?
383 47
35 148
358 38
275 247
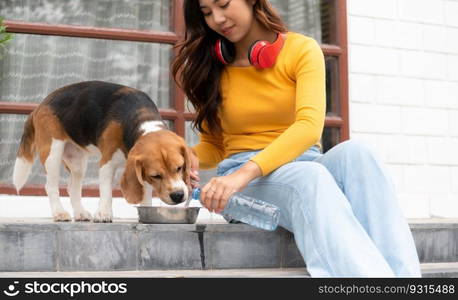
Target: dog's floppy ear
132 180
185 150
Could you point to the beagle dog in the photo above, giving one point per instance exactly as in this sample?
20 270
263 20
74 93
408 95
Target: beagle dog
120 123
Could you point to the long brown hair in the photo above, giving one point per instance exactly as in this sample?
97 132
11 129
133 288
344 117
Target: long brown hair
195 69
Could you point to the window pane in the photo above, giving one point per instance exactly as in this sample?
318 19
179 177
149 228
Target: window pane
332 87
328 22
310 17
170 124
188 107
191 135
330 138
35 65
127 14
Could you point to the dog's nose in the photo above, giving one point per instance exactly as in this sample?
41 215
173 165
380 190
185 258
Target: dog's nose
177 197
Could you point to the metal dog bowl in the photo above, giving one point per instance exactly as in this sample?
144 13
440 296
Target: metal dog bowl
167 214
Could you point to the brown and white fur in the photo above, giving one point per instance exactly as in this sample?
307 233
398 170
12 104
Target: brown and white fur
123 125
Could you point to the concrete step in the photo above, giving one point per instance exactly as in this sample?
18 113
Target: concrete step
42 245
221 273
437 270
440 270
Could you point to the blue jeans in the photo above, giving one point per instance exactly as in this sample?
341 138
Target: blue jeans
342 208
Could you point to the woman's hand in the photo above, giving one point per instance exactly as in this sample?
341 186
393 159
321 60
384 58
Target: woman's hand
194 169
215 194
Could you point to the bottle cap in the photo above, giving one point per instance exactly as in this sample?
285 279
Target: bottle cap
195 194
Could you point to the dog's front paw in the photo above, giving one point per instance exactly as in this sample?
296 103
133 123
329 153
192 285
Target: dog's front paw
61 216
103 216
83 216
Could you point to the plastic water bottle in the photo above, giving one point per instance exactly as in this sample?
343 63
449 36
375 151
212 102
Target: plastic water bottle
248 210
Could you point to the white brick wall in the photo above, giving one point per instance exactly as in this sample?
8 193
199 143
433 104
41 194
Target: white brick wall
403 74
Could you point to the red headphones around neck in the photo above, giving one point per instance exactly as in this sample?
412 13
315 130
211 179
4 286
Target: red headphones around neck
261 54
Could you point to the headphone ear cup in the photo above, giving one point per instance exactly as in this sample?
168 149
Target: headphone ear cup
266 57
253 52
263 54
224 51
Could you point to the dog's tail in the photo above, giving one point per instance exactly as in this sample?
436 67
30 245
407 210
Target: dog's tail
25 155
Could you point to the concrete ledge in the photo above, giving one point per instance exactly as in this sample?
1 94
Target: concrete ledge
124 246
42 245
440 270
445 270
221 273
436 240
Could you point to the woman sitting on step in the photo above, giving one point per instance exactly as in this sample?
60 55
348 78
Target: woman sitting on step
259 94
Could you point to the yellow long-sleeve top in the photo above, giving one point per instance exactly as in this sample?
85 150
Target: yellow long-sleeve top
280 110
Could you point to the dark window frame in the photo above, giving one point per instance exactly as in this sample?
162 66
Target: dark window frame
340 52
